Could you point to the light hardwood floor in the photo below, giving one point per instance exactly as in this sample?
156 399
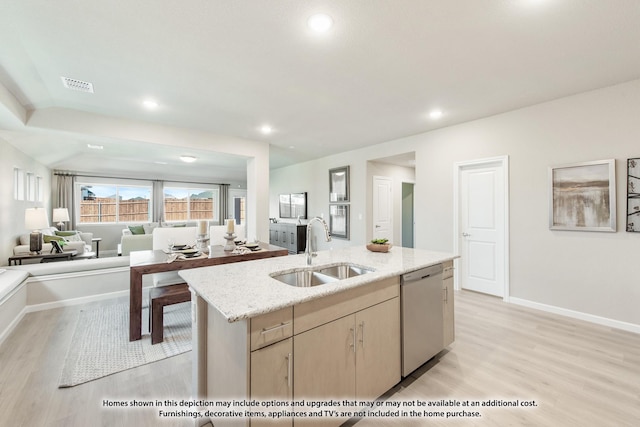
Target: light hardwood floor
578 373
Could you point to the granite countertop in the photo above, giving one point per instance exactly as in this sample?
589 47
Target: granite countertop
245 289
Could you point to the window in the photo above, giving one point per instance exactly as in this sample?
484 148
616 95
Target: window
183 204
18 184
39 189
109 203
31 187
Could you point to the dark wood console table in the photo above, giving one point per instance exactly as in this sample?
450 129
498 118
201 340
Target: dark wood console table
149 262
17 259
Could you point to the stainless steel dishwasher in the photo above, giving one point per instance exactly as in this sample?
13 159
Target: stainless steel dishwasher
421 307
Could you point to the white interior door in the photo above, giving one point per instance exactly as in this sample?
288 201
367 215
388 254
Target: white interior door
482 228
382 208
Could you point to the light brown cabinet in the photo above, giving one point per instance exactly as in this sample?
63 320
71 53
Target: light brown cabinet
448 303
344 345
271 378
356 356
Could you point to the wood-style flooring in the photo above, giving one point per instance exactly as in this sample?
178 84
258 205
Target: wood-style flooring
579 374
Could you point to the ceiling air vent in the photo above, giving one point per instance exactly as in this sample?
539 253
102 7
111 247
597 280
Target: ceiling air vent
78 85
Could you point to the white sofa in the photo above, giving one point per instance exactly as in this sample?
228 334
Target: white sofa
135 242
81 243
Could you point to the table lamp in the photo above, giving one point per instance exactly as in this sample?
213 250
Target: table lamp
35 219
60 215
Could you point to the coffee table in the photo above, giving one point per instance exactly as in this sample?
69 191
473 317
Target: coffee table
44 257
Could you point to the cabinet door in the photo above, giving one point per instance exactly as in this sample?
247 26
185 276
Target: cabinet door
324 365
378 364
271 377
447 311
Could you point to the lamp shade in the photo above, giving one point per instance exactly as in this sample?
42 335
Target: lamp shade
60 215
35 218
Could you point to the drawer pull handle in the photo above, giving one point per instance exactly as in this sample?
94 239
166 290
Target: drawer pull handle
289 379
275 328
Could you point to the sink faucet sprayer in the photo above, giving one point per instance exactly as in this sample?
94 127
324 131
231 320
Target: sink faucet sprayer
307 251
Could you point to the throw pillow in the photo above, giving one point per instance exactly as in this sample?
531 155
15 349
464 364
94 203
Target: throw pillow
179 225
136 229
148 228
70 236
48 238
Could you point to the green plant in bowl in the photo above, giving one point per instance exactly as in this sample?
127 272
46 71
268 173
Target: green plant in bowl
379 245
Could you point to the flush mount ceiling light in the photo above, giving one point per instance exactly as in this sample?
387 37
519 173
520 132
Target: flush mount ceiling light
320 23
150 104
435 114
188 159
266 129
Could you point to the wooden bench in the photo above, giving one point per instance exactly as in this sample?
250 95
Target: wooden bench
158 298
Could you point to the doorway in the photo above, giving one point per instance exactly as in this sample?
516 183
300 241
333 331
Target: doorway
481 233
382 208
407 215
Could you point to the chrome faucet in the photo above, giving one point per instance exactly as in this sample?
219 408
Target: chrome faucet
308 251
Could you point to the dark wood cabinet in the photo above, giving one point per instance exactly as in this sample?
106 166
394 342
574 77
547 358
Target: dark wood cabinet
290 236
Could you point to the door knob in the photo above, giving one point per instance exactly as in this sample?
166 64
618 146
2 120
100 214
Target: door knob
466 234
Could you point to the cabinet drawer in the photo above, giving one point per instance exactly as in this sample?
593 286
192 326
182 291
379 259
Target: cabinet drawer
314 313
271 327
447 269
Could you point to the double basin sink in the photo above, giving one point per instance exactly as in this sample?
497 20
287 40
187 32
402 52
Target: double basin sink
320 275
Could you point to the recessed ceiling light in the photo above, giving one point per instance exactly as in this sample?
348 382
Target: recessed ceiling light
320 23
150 104
266 129
291 147
188 159
435 114
95 147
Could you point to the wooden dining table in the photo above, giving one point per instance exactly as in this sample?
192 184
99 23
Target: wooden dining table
150 262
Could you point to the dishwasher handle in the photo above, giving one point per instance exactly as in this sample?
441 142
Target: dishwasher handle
422 274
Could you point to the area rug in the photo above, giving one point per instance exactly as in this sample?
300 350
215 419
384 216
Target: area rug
100 345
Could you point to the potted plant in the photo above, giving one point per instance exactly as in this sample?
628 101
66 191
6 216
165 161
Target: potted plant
379 245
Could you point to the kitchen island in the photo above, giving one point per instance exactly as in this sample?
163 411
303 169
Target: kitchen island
258 338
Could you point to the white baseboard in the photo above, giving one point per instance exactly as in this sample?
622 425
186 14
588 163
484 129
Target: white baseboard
604 321
74 301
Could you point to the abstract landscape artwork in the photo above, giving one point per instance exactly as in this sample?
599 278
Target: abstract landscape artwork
583 196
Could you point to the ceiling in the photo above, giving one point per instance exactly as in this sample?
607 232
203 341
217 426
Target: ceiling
230 66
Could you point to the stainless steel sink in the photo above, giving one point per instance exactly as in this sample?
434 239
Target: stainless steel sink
304 278
320 275
344 271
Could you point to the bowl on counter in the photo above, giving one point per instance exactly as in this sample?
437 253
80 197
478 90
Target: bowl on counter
379 247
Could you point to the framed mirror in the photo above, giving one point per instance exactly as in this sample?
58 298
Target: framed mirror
339 221
293 205
339 184
285 206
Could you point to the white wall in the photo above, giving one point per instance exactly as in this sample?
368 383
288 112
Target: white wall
313 177
11 210
588 272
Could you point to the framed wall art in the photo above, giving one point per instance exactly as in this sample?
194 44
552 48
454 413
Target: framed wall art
339 185
633 195
339 221
582 196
